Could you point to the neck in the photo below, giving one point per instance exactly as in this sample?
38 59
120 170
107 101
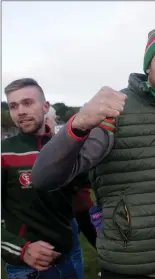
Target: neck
41 131
150 84
150 88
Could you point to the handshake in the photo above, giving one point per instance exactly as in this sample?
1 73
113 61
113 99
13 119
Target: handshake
107 103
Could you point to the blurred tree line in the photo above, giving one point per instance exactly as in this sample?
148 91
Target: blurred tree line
63 112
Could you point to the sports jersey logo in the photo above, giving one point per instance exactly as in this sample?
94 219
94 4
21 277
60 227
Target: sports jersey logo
25 179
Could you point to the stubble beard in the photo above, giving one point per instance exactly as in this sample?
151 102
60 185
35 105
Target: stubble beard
32 129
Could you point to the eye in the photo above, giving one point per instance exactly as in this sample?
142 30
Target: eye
13 106
27 102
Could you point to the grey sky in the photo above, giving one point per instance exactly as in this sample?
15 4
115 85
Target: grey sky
73 48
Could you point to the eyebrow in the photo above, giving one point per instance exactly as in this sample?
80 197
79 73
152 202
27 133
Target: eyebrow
12 103
25 99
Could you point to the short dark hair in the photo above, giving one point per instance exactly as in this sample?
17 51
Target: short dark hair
21 83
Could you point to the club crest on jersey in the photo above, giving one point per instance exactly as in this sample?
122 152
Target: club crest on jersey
25 180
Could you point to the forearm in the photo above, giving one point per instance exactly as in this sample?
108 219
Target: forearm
66 156
56 161
12 247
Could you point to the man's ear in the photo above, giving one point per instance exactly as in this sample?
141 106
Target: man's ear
48 104
148 71
46 107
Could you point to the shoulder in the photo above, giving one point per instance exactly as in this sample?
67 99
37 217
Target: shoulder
8 144
126 91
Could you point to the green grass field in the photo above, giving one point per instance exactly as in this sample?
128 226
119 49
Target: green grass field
90 257
90 260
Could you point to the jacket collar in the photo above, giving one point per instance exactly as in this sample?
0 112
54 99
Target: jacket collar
34 139
137 84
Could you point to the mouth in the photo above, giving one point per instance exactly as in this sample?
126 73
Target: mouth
25 121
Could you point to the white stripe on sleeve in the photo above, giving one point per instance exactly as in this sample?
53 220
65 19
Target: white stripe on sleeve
8 244
10 250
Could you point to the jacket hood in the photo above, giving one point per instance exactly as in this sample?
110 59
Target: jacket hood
136 83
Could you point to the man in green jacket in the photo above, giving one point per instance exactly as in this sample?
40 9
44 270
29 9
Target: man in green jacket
124 183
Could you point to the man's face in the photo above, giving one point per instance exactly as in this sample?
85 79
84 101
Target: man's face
151 72
50 121
27 108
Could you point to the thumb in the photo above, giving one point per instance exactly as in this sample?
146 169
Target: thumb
56 254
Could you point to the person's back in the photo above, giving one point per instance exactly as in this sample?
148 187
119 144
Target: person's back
125 183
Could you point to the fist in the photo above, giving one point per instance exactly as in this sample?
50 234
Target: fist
40 255
106 103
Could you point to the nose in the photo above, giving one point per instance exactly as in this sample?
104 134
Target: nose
21 110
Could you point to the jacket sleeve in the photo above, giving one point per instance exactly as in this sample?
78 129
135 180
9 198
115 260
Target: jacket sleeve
66 155
12 247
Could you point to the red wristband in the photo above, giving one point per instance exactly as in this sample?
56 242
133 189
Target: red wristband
70 131
23 250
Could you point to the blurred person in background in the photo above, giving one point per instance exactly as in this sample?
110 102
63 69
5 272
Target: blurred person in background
50 119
